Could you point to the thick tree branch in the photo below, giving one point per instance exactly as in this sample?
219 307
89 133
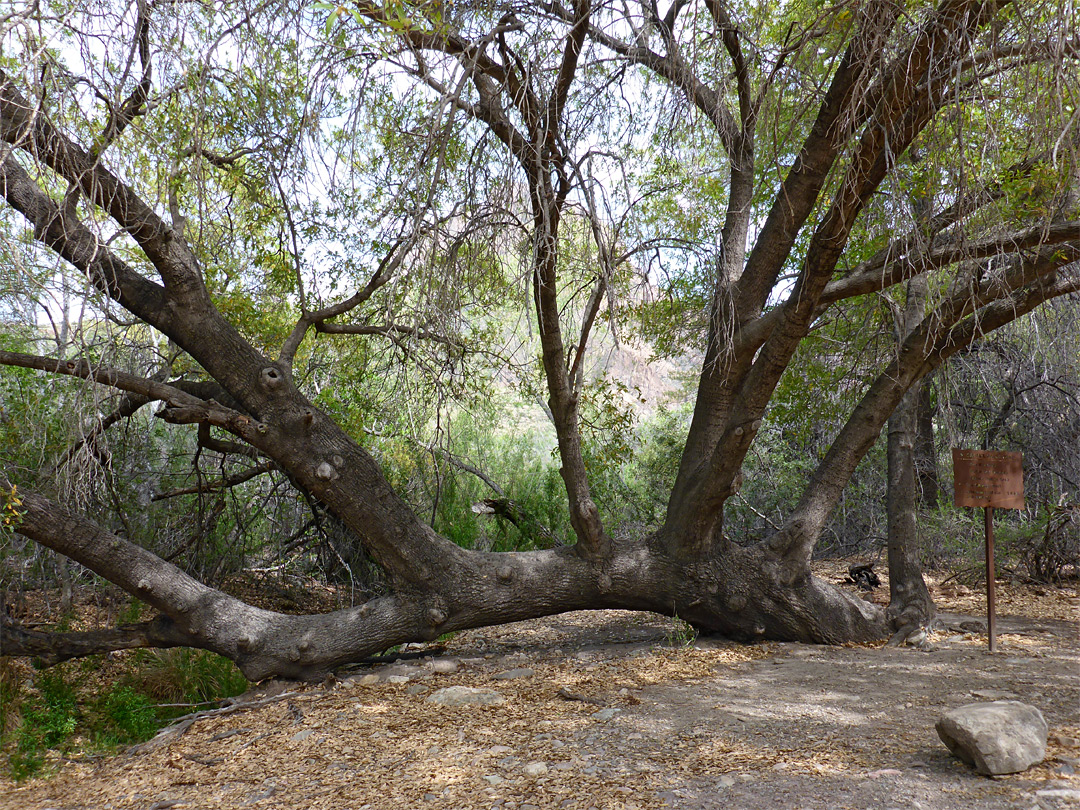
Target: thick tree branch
575 40
838 116
142 386
73 241
906 106
878 274
26 127
53 648
723 370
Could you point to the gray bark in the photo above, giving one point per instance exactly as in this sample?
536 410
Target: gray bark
910 604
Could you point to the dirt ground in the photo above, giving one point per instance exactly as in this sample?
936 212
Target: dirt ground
615 709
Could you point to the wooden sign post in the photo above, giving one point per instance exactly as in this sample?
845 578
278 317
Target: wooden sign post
989 478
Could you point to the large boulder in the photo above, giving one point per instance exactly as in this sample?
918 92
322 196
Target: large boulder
1003 736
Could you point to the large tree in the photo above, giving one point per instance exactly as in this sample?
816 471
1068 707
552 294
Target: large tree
212 169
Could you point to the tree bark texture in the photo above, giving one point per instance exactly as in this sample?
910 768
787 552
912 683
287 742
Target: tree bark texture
910 605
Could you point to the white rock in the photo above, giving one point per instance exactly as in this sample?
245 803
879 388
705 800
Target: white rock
994 694
1059 793
535 769
514 674
444 666
465 696
1003 736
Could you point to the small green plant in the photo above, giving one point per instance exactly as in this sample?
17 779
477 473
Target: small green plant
132 612
183 675
54 714
680 632
10 510
48 721
127 717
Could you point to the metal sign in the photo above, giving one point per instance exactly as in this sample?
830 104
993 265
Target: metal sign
989 478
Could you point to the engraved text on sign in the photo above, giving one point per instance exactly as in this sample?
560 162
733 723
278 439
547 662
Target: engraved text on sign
989 478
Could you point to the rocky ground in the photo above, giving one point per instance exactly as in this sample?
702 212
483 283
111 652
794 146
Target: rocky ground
614 709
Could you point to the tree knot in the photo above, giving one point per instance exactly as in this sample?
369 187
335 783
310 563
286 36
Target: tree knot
271 378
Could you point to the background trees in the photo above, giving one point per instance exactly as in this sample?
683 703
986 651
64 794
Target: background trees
356 251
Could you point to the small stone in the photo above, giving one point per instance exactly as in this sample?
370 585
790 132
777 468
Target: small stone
535 769
496 750
1059 793
513 674
994 694
444 666
465 696
1000 737
494 779
397 679
402 670
605 714
416 689
368 680
726 781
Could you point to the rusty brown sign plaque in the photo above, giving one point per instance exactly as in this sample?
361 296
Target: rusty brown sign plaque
989 478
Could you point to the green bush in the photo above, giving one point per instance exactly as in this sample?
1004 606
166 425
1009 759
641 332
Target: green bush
184 675
57 714
48 721
127 717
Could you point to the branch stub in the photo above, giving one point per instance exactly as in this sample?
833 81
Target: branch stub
326 472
